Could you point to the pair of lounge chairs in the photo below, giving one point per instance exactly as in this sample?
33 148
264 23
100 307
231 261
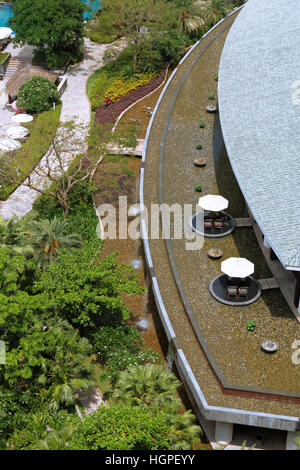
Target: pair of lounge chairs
237 291
213 224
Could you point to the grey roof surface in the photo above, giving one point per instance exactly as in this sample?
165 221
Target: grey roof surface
260 117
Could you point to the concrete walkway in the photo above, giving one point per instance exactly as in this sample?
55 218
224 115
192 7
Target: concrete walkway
75 106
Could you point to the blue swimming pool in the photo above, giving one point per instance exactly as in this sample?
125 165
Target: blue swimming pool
6 11
94 6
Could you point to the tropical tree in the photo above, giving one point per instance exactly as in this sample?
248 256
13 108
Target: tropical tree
146 385
13 235
48 238
183 430
215 10
122 428
190 16
86 290
134 18
58 440
58 30
53 359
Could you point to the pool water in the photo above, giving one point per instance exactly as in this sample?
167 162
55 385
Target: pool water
94 6
6 11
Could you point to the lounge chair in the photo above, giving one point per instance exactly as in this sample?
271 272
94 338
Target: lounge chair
232 291
243 291
208 224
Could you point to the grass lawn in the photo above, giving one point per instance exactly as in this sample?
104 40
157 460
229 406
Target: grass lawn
34 148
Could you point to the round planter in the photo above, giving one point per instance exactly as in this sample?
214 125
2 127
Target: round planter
211 108
200 162
215 253
269 346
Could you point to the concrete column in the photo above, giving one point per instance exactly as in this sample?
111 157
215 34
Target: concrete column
290 440
223 433
266 242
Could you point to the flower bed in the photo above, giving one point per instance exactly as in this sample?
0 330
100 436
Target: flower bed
108 114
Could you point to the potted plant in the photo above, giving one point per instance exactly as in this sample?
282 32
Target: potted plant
202 123
211 97
198 188
199 162
251 324
198 146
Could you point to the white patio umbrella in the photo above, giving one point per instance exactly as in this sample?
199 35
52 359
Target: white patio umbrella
3 95
22 118
237 267
5 32
17 132
7 144
213 203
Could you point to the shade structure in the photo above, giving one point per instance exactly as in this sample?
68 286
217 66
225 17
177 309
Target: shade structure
22 118
237 267
5 32
17 132
7 144
213 203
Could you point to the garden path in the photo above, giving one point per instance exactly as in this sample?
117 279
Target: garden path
75 106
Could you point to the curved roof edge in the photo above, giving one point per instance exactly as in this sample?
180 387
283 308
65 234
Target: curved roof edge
260 121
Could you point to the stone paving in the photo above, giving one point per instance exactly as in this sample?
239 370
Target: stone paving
75 106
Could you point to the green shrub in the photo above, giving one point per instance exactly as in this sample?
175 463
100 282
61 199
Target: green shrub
100 38
37 95
119 347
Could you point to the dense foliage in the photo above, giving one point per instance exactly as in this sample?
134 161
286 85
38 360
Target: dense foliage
54 27
122 428
37 95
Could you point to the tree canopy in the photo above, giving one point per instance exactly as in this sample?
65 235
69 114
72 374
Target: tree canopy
55 25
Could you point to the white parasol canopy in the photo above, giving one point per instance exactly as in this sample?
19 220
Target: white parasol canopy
237 267
17 132
213 203
5 32
7 144
22 118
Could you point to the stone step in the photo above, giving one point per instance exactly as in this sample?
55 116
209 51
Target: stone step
269 283
243 222
14 64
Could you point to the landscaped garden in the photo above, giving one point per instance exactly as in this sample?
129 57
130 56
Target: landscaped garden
65 310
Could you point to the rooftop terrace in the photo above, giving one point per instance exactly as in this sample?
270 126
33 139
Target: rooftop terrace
213 336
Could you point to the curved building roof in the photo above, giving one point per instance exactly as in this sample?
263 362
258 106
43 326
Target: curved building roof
260 116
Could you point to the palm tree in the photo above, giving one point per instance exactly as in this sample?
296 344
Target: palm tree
48 239
148 385
69 368
190 18
215 11
58 440
13 236
184 432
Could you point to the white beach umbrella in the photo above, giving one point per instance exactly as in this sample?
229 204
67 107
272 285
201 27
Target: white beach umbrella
17 132
3 95
213 203
22 118
5 32
7 144
237 267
